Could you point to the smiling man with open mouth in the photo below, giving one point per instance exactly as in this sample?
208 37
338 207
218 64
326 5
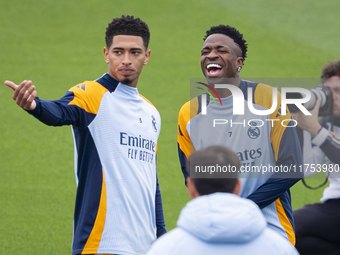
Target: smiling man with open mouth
267 144
222 57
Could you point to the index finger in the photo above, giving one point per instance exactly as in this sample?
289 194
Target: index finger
18 89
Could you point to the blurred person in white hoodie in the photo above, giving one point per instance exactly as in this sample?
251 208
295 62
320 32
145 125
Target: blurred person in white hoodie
217 221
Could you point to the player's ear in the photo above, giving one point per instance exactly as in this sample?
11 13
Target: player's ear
106 55
192 189
237 188
239 61
147 56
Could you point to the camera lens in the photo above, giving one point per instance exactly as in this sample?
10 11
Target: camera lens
319 92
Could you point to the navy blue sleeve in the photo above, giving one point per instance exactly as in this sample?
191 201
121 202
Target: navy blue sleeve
289 156
183 161
271 190
160 223
58 112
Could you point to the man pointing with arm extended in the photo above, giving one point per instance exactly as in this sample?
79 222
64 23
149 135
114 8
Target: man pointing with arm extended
118 207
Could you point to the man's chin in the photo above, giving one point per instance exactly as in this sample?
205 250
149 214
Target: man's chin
126 81
222 80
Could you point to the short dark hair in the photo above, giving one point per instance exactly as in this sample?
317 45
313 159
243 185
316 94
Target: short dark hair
330 69
211 156
127 25
232 33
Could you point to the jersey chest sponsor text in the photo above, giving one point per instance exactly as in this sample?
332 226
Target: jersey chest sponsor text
138 147
248 157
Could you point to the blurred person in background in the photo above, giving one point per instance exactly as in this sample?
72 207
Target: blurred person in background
318 225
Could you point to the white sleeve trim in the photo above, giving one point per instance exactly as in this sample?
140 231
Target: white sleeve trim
320 137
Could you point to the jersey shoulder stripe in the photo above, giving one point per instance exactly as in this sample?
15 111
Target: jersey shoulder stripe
285 222
187 112
147 100
88 95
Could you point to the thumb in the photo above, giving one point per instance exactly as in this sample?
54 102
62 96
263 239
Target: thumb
11 84
293 115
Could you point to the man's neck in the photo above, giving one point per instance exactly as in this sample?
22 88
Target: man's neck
226 92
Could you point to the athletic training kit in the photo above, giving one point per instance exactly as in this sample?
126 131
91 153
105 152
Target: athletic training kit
118 206
259 143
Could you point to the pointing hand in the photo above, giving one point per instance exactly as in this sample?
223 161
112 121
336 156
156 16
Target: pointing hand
24 94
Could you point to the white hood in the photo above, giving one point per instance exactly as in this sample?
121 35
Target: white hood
222 217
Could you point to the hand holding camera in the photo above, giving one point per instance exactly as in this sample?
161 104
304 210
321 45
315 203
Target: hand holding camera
309 123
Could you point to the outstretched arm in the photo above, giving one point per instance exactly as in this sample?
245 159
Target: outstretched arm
53 113
24 94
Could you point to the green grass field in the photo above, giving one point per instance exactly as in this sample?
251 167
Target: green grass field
58 44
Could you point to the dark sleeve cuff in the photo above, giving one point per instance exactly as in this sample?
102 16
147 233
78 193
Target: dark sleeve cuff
37 110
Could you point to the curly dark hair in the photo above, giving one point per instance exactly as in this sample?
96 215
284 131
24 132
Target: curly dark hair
127 25
330 69
232 33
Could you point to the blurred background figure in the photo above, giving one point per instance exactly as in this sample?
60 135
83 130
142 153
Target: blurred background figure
318 225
